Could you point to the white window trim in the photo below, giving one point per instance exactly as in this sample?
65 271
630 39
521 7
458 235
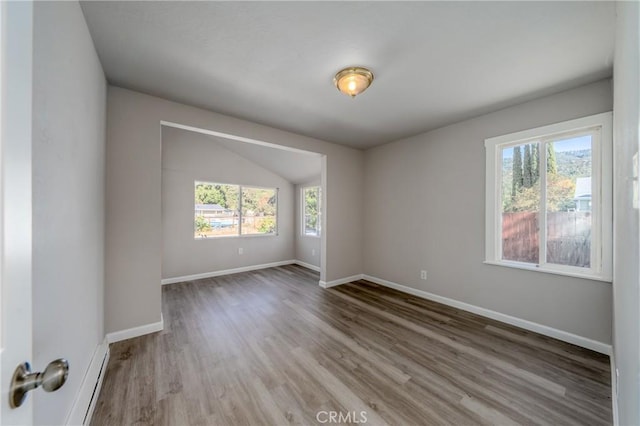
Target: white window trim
303 230
602 225
239 234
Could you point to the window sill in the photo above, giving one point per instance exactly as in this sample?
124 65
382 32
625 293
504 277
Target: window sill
534 268
310 236
225 237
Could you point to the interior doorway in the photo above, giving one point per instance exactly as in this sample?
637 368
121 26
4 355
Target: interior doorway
232 204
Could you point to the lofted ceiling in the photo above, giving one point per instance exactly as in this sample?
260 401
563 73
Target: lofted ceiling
296 167
435 63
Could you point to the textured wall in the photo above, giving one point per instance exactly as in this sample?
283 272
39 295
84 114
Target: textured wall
425 203
69 124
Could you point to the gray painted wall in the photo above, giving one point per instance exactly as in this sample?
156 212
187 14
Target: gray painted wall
424 209
626 344
133 225
308 248
69 119
189 156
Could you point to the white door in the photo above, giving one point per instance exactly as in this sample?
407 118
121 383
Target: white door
16 34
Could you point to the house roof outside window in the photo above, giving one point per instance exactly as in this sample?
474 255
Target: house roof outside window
583 189
214 207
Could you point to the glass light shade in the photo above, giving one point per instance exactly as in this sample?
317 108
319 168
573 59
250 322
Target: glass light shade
353 81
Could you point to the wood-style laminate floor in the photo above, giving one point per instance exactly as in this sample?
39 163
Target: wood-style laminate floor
270 347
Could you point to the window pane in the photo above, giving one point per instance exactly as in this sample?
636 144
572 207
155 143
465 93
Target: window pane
216 210
312 211
258 211
569 167
520 203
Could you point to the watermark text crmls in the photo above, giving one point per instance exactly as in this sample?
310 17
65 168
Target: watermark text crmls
356 417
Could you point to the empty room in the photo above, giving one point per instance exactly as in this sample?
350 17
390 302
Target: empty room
315 213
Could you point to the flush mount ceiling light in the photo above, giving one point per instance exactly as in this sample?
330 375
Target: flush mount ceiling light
353 80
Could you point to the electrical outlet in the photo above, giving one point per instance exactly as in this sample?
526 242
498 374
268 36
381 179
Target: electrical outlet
240 250
313 252
423 275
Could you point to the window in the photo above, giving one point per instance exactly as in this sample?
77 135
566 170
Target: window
311 211
549 198
258 214
223 210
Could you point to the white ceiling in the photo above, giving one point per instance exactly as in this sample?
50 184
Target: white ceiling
273 62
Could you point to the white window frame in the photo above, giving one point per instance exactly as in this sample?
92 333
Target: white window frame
239 234
602 189
303 208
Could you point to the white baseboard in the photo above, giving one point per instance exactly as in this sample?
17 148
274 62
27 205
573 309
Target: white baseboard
328 284
225 272
614 390
308 265
130 333
574 339
85 401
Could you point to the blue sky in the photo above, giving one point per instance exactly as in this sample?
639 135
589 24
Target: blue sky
573 144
